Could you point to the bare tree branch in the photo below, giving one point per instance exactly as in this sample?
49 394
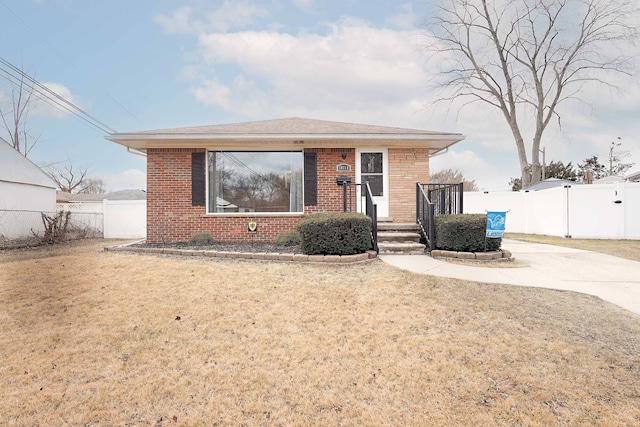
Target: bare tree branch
453 176
14 115
74 179
530 56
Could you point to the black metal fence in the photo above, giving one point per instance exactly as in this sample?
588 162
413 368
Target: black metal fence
433 200
446 198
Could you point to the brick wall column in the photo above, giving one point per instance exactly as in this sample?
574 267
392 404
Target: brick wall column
406 167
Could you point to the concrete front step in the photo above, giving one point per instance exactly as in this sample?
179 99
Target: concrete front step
392 236
399 238
398 226
401 248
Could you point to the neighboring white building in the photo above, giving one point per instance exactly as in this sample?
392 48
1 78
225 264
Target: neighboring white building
25 192
633 177
550 183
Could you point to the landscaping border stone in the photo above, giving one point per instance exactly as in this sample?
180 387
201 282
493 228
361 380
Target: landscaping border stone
272 256
500 255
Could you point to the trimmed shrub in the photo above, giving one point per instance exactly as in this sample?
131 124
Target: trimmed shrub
335 234
201 239
288 238
464 233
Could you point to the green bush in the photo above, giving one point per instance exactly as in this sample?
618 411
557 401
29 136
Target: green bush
288 238
335 234
464 233
201 239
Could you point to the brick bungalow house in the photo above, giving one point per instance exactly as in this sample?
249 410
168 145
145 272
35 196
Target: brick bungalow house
218 178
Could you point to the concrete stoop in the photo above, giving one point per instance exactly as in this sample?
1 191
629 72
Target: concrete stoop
399 239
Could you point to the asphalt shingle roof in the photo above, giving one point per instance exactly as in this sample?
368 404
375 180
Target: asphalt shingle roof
290 126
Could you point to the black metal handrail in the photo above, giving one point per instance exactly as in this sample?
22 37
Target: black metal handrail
438 199
355 201
425 212
372 212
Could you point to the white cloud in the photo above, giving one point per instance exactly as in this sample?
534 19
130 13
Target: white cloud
354 65
231 14
488 176
405 18
125 180
51 101
303 4
179 21
235 14
241 95
48 101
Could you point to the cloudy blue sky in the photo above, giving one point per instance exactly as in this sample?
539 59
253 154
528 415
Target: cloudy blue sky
139 65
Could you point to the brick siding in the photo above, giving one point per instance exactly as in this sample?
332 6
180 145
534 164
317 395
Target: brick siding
330 195
406 167
172 218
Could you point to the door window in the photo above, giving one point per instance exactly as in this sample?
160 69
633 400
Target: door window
371 172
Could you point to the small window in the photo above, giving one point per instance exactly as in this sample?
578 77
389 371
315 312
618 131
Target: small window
242 181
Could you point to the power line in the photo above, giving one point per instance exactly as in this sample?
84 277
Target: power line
67 60
45 97
50 97
49 91
242 165
35 34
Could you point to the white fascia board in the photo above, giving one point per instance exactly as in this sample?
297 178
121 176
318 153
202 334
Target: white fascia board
142 142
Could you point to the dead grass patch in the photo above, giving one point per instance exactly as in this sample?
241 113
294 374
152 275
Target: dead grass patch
629 249
102 338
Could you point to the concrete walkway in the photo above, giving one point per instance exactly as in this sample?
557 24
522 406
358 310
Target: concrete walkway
613 279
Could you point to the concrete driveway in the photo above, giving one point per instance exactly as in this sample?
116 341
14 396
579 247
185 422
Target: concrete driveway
613 279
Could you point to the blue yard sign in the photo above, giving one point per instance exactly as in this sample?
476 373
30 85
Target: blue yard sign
495 223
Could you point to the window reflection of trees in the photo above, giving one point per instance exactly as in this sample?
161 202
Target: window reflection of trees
244 184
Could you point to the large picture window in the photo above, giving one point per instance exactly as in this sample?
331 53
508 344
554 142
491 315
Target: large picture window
242 181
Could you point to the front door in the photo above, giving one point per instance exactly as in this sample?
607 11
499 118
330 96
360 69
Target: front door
372 166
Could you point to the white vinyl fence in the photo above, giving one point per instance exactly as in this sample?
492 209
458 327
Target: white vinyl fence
597 211
115 219
124 219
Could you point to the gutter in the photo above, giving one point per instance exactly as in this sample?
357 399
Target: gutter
137 152
439 152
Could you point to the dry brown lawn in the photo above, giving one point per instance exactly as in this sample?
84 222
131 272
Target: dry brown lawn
629 249
102 338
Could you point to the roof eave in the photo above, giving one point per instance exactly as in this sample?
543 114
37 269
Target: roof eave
285 141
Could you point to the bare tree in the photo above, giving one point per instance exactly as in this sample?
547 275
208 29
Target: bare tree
528 56
453 176
616 156
74 179
615 166
14 114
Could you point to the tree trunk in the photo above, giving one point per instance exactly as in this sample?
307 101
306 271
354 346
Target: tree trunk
525 175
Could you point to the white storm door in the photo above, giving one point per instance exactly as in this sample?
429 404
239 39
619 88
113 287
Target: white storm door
372 166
